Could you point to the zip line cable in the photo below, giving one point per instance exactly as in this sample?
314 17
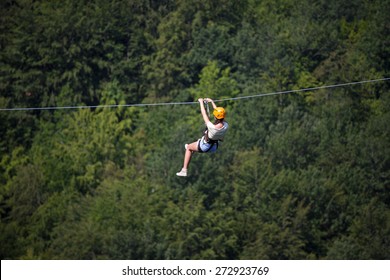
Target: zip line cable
303 90
193 102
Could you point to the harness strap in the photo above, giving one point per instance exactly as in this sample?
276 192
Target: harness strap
212 142
206 104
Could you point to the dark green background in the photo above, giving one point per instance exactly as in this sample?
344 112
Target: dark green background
299 176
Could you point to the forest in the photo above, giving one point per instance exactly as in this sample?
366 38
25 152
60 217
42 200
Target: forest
303 175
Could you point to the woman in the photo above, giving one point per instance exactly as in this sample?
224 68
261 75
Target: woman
214 133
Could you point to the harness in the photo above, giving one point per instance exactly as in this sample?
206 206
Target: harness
207 140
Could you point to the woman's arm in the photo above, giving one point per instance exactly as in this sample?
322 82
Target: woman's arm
203 111
212 102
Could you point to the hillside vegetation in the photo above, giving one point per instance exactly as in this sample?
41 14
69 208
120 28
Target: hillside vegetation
304 175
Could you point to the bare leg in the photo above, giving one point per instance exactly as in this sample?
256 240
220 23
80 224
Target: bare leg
191 148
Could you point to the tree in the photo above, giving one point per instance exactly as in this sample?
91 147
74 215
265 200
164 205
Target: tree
215 83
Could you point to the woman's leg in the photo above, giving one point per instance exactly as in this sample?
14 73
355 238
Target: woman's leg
191 148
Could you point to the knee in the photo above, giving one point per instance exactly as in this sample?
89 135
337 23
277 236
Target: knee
193 147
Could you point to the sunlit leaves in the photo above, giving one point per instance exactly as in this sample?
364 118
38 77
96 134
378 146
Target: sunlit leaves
215 83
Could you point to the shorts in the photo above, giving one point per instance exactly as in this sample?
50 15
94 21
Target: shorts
204 147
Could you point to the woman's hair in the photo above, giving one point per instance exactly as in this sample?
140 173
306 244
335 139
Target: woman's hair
217 121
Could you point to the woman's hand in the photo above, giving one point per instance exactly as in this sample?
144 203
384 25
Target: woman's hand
200 100
211 101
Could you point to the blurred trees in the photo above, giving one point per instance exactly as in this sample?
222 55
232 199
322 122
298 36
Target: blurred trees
299 176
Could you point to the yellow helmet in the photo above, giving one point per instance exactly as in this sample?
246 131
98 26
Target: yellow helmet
219 113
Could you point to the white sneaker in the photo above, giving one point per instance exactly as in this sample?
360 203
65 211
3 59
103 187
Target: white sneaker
182 173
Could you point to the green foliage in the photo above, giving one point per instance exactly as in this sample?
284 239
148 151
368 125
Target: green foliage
215 83
298 176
